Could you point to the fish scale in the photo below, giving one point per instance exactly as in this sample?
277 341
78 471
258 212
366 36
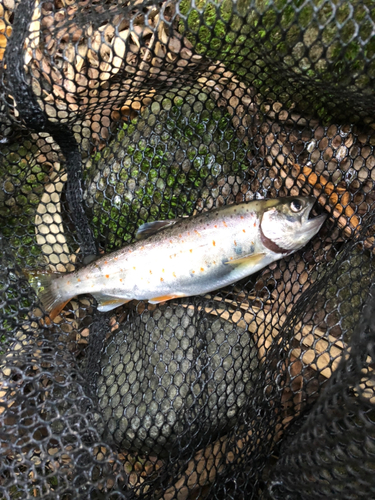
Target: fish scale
188 256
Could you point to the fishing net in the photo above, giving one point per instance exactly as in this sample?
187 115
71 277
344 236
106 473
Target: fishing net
117 113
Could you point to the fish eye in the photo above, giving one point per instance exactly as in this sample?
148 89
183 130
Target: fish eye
296 206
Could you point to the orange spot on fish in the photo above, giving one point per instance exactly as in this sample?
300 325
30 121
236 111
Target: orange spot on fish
162 270
214 261
191 250
170 241
244 230
193 272
215 226
107 275
170 256
202 269
196 232
142 248
116 258
120 279
188 234
241 216
213 243
150 271
180 235
68 283
255 224
106 262
175 255
174 274
230 258
161 279
235 243
224 223
78 280
134 268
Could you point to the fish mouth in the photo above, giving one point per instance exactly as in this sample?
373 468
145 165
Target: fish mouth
315 217
316 209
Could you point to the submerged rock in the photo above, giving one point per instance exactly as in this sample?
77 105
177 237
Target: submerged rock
173 378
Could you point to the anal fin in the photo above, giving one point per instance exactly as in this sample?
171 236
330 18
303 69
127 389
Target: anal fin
247 260
163 298
108 302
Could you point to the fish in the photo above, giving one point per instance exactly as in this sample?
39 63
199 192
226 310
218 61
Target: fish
187 256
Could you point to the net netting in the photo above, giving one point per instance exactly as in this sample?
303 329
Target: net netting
117 113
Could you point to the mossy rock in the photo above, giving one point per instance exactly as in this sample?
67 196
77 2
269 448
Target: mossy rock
341 293
313 54
160 164
16 297
21 187
199 386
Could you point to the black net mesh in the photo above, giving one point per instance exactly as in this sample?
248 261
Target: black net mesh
117 113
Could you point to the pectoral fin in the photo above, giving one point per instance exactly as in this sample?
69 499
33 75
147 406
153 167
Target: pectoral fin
247 260
108 302
150 228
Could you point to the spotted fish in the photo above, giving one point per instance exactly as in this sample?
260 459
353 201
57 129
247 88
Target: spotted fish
188 256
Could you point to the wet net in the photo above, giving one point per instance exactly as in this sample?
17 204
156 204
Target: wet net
117 113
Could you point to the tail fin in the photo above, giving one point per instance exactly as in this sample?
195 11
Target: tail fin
50 297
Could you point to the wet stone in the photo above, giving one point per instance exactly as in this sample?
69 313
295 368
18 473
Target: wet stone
200 382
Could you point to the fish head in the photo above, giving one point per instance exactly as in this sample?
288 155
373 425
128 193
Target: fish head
286 224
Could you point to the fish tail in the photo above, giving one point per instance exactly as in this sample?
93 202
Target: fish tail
50 297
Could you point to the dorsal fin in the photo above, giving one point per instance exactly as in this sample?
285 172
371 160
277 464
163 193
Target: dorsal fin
150 228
